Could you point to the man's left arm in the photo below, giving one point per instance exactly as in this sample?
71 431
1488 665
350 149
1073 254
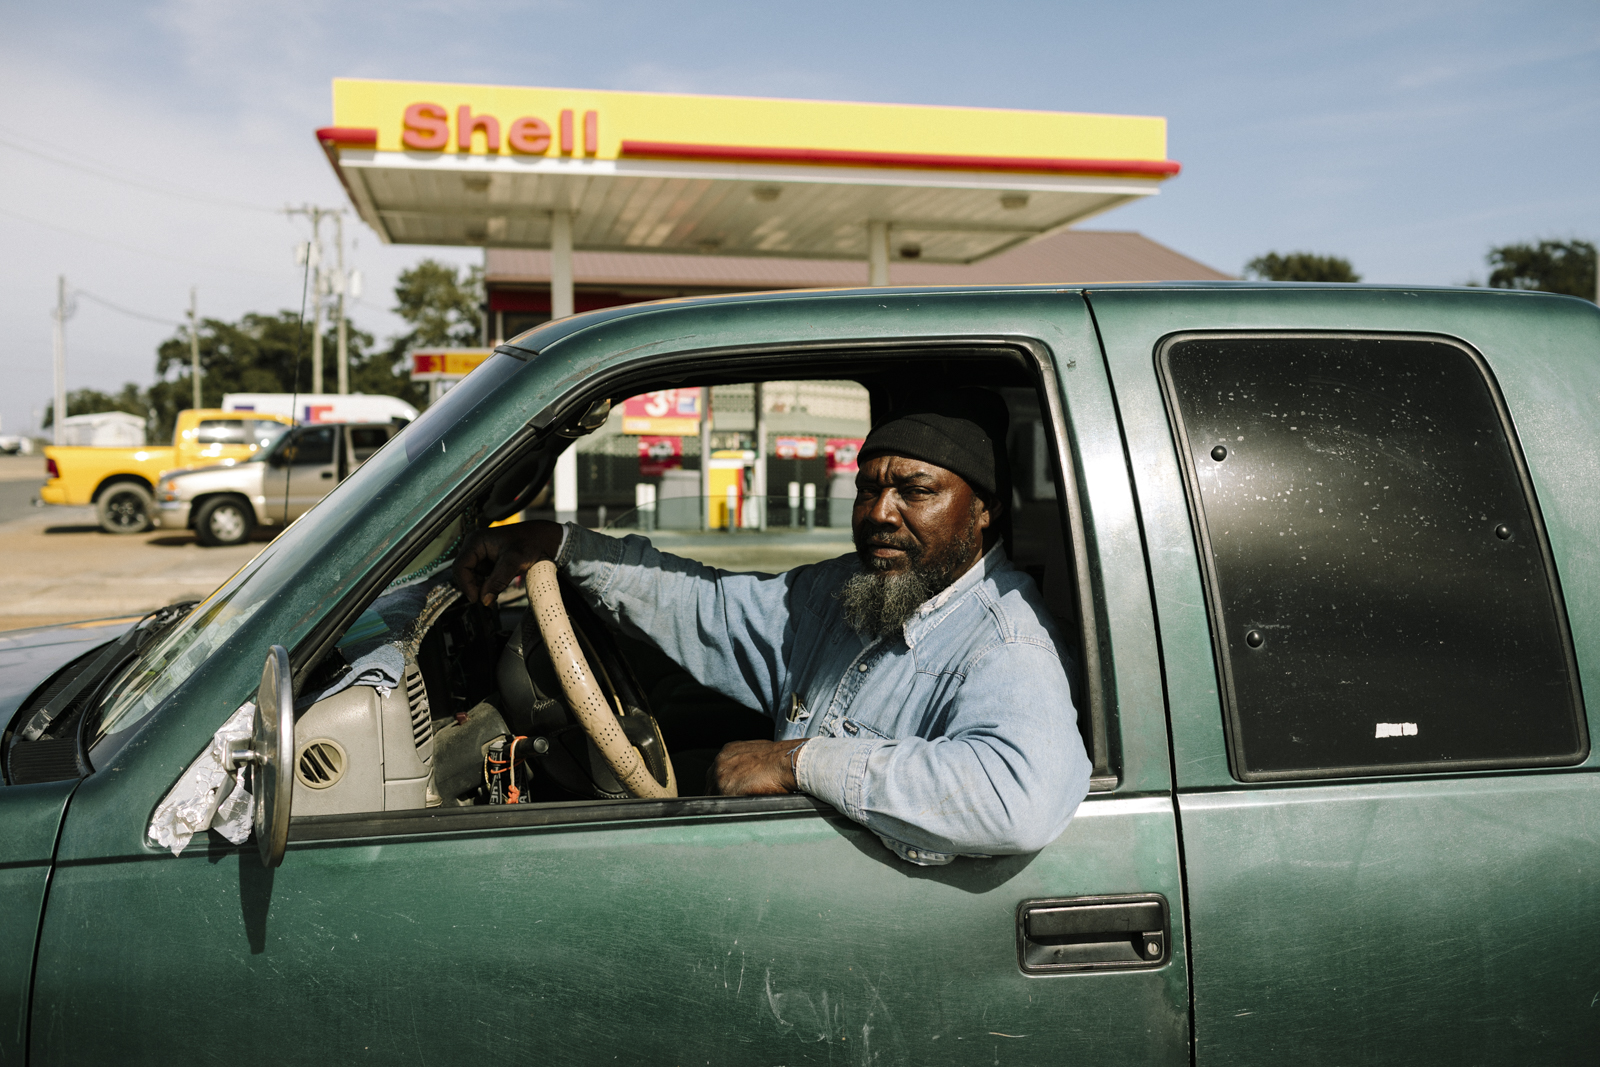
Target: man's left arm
1005 777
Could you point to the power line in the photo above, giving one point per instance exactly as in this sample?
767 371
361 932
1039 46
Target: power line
326 283
133 248
102 301
120 180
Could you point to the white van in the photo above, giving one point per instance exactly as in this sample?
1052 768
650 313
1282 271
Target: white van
308 408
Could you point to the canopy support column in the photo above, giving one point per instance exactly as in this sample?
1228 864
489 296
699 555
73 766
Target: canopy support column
565 478
560 264
705 457
565 489
877 253
758 476
58 408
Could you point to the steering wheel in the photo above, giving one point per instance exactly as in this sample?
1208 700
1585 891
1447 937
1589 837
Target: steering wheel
585 697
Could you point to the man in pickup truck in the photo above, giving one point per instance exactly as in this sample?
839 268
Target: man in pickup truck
915 685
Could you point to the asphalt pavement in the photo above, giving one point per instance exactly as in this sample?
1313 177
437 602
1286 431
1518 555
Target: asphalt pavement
20 479
57 565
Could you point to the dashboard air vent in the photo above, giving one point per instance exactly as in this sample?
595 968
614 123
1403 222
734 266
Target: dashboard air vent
421 714
321 764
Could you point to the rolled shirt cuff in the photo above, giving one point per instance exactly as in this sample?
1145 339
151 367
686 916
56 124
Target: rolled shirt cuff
834 770
825 767
588 558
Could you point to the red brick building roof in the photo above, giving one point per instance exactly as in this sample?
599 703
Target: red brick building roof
518 279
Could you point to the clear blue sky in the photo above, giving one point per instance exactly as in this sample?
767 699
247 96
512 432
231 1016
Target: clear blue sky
1406 136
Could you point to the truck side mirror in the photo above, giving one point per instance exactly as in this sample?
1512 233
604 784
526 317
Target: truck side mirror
271 756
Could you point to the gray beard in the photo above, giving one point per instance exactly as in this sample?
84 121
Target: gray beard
878 603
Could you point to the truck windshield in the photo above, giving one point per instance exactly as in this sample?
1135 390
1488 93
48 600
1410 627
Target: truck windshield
169 663
278 570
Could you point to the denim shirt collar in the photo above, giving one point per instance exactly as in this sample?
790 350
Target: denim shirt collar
935 610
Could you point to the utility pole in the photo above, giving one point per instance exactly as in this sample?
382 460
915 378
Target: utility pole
194 342
60 339
321 286
339 287
316 302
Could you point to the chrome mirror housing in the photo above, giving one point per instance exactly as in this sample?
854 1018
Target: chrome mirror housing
271 756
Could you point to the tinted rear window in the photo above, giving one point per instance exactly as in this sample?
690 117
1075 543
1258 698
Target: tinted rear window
1378 578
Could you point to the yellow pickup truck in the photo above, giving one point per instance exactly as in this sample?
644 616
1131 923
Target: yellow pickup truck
121 482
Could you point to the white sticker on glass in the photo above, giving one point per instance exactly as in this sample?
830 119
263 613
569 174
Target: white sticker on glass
1397 729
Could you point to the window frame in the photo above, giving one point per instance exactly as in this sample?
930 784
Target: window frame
715 365
1222 661
355 459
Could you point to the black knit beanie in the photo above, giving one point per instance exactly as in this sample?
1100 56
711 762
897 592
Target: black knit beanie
963 431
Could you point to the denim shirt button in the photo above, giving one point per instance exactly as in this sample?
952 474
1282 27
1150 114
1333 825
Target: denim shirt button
911 853
863 668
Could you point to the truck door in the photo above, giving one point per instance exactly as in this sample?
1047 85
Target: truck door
303 471
32 817
706 929
1385 792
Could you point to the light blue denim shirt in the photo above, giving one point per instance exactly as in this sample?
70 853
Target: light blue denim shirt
958 739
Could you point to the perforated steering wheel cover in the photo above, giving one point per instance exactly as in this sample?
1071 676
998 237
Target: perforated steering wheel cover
583 694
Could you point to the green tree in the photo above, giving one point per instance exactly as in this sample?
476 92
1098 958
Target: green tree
378 371
1549 266
131 399
272 353
257 354
443 306
1301 267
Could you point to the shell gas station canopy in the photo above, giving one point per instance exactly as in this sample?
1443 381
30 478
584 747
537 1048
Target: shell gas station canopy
734 178
565 169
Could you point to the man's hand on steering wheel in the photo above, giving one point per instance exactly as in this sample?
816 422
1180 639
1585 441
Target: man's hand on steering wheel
491 559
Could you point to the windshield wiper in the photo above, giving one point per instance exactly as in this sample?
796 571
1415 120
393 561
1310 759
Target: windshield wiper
110 664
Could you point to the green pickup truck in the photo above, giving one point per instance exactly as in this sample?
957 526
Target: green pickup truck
1325 560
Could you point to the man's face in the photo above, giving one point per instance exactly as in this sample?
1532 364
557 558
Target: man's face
909 511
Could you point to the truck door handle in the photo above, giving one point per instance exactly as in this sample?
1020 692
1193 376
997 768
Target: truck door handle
327 474
1092 933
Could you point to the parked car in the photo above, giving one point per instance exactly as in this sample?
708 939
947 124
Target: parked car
1325 559
121 482
225 503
